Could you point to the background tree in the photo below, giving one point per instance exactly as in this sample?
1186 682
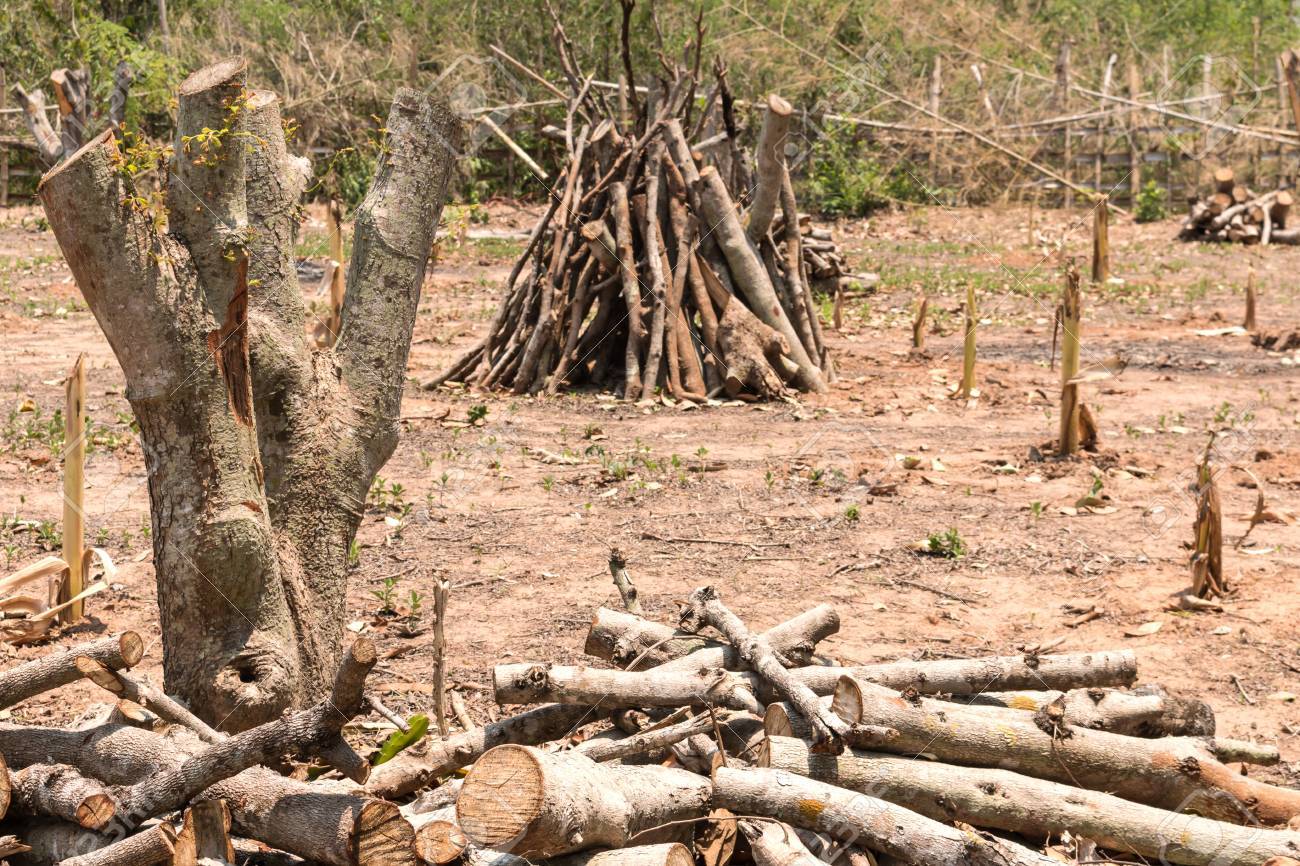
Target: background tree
259 448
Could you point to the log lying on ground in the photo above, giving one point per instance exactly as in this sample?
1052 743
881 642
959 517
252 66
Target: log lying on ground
971 676
622 638
405 774
145 848
1144 712
1171 772
666 854
59 791
538 805
873 823
58 669
438 838
529 683
651 740
1004 800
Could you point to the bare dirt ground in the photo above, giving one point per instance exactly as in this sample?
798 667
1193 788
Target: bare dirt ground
819 500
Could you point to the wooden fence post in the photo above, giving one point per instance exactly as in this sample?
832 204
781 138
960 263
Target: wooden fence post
4 148
74 468
1101 240
1134 130
1063 105
936 89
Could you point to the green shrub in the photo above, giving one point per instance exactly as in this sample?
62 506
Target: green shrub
1150 205
844 179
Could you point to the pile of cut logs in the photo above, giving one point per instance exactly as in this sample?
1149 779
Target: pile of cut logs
1235 214
698 740
668 256
704 739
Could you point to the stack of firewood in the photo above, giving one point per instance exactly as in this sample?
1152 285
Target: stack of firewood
1236 214
699 734
669 257
690 739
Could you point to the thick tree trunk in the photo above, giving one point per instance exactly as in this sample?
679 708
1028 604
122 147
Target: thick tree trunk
537 805
1003 800
864 820
769 159
751 276
259 450
1171 772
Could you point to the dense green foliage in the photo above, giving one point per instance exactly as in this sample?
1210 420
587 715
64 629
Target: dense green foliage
336 63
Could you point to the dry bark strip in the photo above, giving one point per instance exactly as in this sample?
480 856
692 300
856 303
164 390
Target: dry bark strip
868 821
529 683
539 805
972 676
58 669
1008 801
204 835
1171 772
622 638
406 774
705 608
59 791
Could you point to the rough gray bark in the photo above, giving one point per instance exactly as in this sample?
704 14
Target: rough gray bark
971 676
540 683
1003 800
405 774
60 668
140 692
145 848
533 804
1146 712
849 816
59 791
259 449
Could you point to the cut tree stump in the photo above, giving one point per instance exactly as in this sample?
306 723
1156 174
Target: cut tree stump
539 805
